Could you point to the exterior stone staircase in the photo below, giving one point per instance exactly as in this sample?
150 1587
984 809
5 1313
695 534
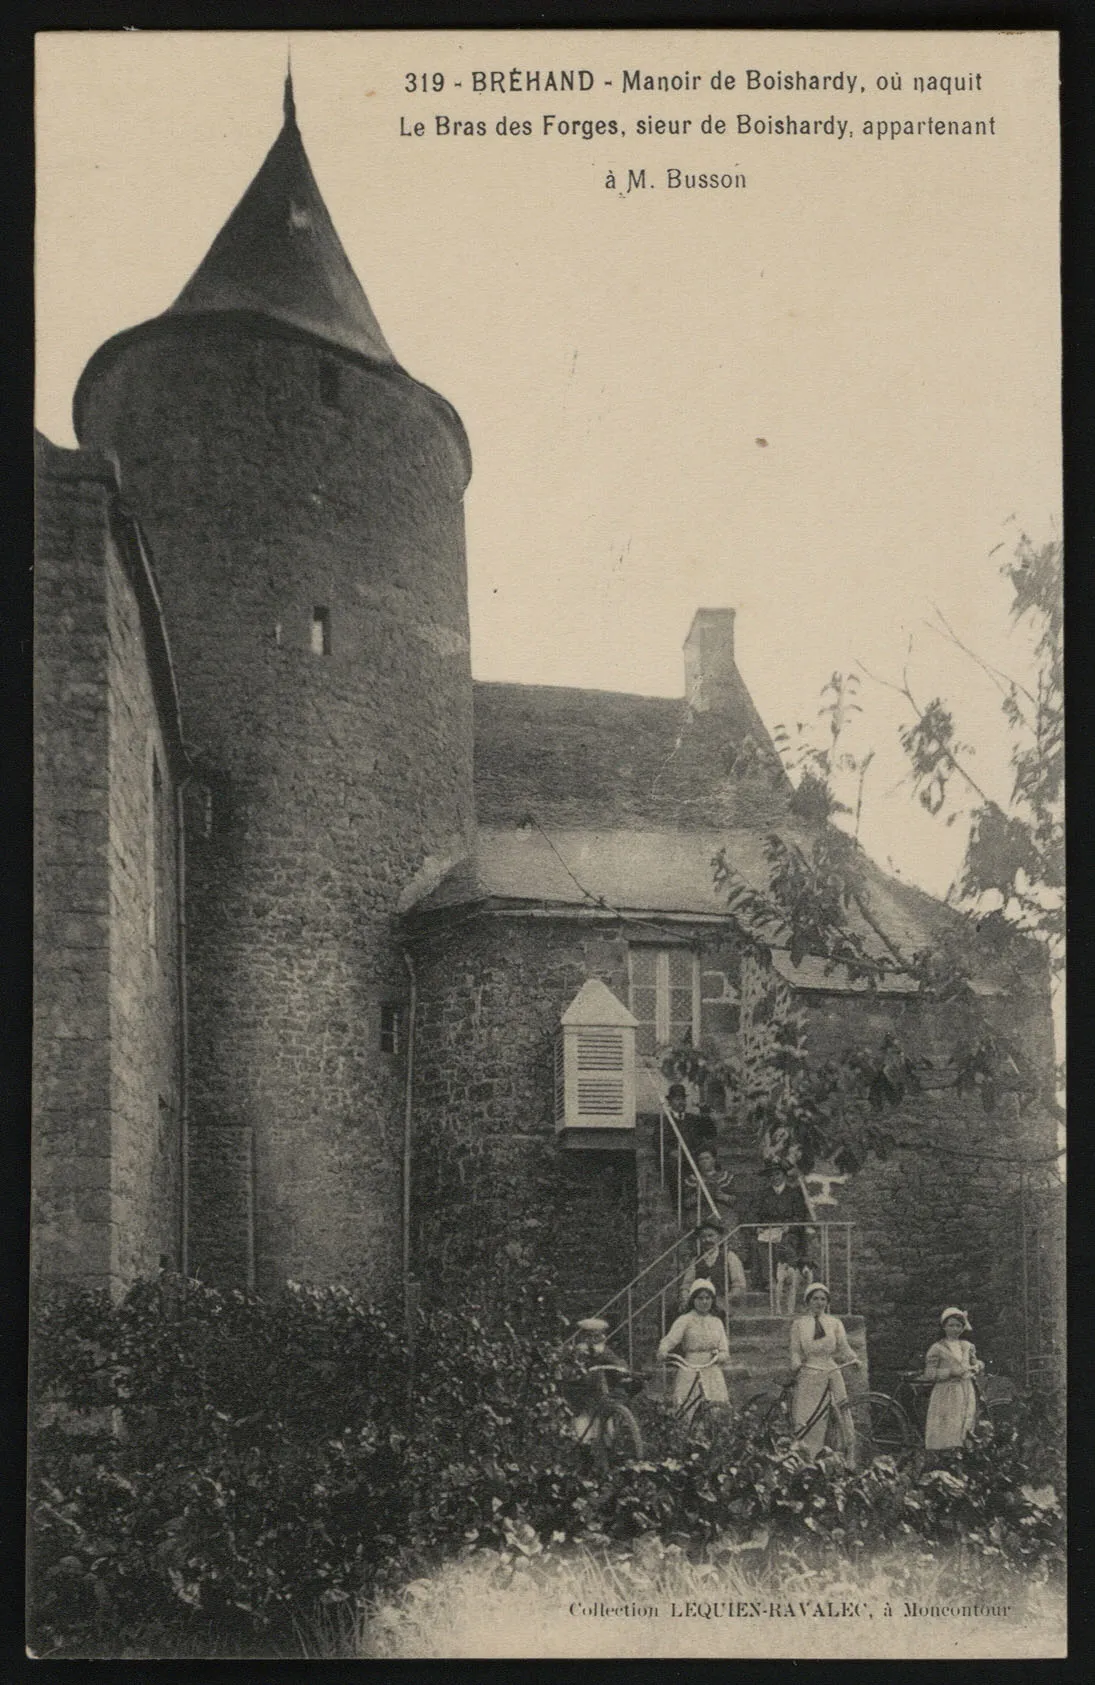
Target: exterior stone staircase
640 1313
760 1350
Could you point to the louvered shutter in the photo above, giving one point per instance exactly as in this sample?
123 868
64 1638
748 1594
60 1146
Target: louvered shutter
595 1063
560 1083
599 1055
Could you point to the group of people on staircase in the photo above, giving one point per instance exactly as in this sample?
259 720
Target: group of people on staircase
778 1247
820 1352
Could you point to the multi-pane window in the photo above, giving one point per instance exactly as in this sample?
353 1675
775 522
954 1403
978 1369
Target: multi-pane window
664 997
677 998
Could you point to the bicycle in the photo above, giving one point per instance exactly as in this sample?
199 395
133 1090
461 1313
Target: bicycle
880 1427
703 1416
604 1424
996 1394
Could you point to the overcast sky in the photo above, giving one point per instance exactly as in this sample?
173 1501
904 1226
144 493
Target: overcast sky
882 314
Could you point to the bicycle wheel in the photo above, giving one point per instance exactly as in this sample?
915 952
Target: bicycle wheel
623 1438
708 1421
882 1429
751 1415
776 1425
998 1400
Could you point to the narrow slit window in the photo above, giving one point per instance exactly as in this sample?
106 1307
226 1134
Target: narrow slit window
321 630
391 1027
330 385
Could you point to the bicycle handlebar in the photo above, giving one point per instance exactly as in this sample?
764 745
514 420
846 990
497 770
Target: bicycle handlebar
852 1363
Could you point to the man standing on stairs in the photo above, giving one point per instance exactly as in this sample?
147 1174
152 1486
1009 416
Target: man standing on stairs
710 1253
784 1241
697 1129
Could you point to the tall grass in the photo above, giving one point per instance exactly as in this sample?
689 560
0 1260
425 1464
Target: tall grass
552 1603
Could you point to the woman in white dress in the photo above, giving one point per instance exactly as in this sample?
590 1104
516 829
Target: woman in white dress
819 1351
698 1340
951 1363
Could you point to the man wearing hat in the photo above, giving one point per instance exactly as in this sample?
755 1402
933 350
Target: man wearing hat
697 1130
711 1250
784 1238
585 1394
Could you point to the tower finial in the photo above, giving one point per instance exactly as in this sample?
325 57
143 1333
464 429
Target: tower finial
289 103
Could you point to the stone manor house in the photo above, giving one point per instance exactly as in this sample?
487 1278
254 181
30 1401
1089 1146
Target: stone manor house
305 889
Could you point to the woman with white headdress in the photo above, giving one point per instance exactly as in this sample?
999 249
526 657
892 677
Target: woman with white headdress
698 1346
951 1363
819 1351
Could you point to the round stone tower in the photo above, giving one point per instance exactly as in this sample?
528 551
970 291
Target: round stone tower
301 497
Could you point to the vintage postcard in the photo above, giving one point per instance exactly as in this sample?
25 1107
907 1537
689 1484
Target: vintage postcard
549 932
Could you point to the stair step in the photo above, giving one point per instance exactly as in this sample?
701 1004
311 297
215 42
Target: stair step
751 1329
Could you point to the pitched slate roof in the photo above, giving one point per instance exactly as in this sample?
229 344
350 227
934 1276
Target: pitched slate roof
277 259
636 870
652 876
603 758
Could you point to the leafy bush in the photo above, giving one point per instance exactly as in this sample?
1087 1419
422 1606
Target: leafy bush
216 1461
207 1454
211 1469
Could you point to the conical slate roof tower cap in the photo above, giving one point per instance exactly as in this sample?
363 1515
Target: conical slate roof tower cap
278 255
278 260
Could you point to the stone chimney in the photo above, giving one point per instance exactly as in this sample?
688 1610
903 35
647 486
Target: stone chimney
710 675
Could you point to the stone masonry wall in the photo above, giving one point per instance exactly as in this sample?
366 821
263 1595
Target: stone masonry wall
105 1150
936 1221
275 479
144 946
490 998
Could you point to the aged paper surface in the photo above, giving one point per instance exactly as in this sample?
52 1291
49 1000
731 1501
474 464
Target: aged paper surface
765 321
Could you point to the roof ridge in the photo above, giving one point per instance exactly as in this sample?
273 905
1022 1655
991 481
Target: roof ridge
578 690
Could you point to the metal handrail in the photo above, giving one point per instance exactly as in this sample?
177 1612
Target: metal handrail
621 1293
627 1293
633 1311
666 1116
